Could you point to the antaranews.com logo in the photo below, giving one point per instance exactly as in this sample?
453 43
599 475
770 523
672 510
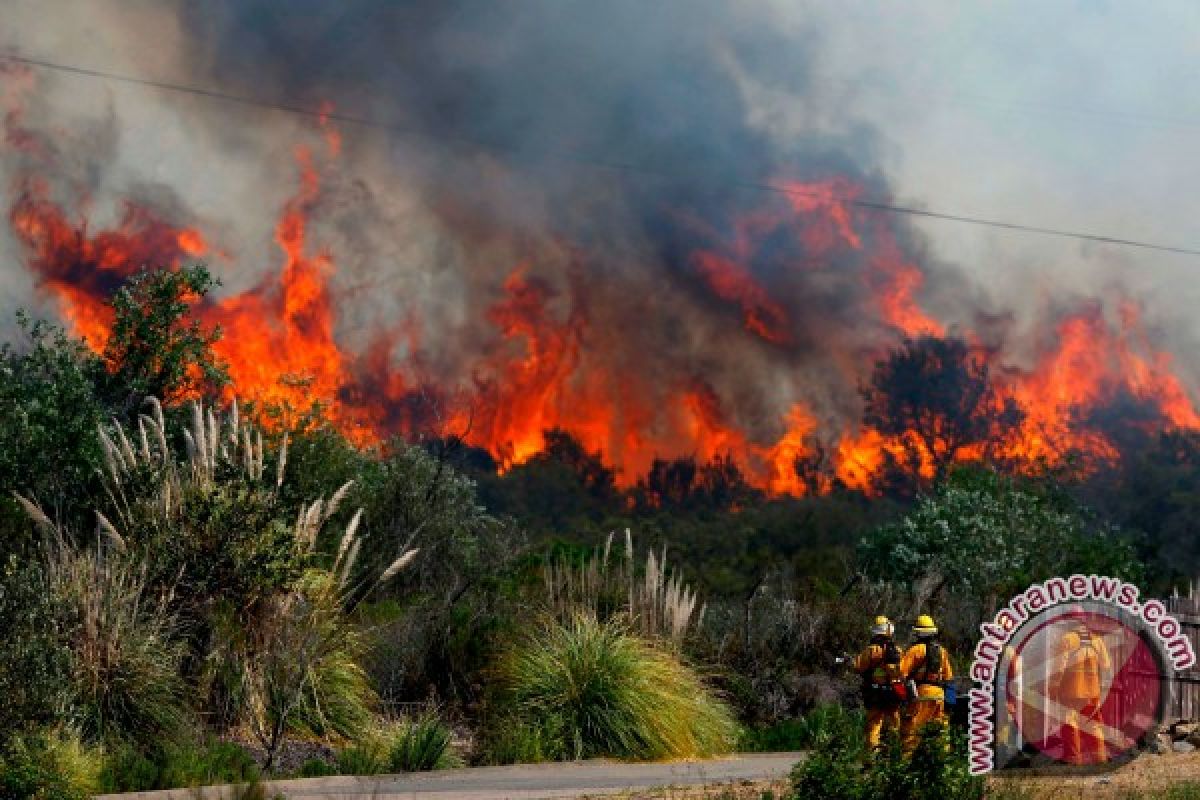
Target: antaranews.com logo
1074 671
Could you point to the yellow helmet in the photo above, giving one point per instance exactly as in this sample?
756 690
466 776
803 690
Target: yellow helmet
925 626
882 627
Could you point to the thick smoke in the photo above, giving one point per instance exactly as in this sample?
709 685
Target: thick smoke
594 168
622 130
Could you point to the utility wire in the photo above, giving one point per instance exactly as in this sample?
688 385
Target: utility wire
579 158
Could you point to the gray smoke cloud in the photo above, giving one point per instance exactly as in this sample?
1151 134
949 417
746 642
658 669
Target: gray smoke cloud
598 146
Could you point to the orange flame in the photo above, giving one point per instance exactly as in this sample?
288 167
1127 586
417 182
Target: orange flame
538 372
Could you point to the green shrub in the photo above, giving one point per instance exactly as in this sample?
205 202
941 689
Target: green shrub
51 765
415 744
596 690
839 768
33 660
212 762
833 770
800 733
937 769
317 768
423 744
177 765
367 756
514 741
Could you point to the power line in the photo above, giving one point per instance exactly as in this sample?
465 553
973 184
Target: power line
597 163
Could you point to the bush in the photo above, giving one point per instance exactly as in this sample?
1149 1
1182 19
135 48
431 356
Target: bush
801 733
834 768
49 447
416 744
317 768
839 767
513 741
51 765
33 661
593 689
184 764
423 744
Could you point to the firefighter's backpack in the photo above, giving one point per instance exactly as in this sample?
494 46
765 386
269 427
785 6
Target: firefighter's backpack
883 685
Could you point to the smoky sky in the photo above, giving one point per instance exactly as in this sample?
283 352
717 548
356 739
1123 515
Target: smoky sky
631 83
626 119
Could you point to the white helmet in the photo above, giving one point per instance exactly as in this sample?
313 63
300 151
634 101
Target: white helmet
883 627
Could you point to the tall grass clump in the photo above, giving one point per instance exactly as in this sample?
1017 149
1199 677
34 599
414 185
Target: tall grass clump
233 596
656 601
589 688
124 651
415 744
53 764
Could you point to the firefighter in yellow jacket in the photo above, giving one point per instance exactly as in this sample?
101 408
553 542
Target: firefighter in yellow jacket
1083 666
926 664
879 666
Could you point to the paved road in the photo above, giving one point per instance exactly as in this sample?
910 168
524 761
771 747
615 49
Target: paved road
522 782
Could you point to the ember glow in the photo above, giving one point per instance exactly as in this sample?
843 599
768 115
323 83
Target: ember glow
774 284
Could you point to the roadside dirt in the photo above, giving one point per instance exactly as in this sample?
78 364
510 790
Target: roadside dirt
746 790
1145 774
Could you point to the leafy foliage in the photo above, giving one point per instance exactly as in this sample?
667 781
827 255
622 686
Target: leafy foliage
34 662
839 767
185 763
49 448
152 351
989 536
803 732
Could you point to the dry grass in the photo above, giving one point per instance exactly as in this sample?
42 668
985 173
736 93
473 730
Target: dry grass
592 689
124 645
657 601
1174 776
746 790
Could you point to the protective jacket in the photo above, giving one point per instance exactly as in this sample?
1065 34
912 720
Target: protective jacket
879 665
928 665
1082 659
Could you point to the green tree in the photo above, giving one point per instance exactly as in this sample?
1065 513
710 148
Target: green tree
49 446
989 536
153 350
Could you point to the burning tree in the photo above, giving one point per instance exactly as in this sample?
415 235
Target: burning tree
151 350
936 401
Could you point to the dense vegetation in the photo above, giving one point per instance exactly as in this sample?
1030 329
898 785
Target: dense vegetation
194 592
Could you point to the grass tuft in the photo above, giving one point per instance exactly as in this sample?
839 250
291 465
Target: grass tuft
587 688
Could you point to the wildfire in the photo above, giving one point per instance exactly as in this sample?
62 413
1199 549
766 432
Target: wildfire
539 371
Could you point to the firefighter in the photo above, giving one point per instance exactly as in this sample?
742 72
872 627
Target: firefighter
927 665
1082 665
1008 732
882 685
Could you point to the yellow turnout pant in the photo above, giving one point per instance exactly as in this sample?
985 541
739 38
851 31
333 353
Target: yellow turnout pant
918 714
879 721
